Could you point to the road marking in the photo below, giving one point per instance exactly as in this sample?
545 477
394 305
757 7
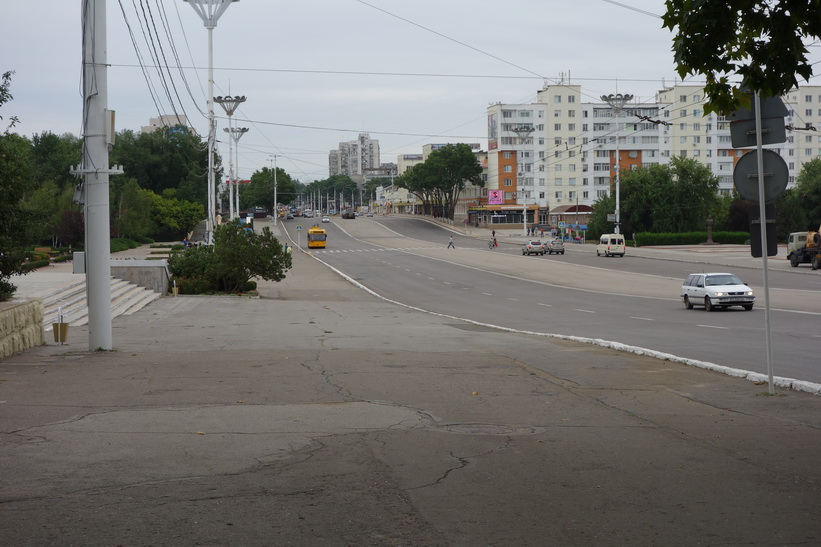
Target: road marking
487 294
432 278
584 311
448 282
713 327
546 305
643 318
513 299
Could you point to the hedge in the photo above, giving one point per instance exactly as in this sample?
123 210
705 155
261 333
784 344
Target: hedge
644 239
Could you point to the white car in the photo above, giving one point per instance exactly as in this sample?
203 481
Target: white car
716 290
325 219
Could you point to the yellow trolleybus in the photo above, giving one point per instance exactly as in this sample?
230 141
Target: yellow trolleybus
317 237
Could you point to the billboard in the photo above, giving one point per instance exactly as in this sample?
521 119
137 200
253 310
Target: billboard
495 197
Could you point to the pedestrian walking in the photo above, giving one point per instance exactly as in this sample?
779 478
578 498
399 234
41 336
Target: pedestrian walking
450 243
495 244
493 233
490 244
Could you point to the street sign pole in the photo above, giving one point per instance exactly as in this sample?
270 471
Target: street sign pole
759 143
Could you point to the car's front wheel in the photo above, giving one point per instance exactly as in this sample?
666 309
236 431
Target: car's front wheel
687 304
708 304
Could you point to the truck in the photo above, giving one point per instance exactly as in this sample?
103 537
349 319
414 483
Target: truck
805 248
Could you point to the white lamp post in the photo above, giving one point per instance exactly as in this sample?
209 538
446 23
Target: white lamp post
236 133
230 105
274 160
617 102
210 11
523 132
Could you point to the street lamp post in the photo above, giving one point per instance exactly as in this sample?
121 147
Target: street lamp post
230 104
210 12
274 160
523 132
617 103
236 133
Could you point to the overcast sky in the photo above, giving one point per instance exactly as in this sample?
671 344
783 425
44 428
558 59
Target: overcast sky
317 72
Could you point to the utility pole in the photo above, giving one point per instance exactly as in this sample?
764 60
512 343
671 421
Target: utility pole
210 12
98 136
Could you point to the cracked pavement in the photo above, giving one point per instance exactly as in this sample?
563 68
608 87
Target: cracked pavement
319 415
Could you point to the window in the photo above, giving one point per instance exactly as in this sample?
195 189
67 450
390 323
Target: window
683 140
601 167
697 140
509 182
572 181
525 113
558 167
696 127
557 98
682 126
541 194
572 195
683 99
559 182
571 127
557 127
557 141
807 112
572 98
586 194
571 140
807 99
509 169
507 113
508 155
557 113
571 113
682 113
697 113
558 196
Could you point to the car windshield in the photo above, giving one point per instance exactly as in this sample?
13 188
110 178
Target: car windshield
724 279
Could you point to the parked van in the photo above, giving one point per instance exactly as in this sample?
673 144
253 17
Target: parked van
610 245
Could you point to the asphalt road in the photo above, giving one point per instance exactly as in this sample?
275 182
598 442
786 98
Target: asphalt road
320 415
631 300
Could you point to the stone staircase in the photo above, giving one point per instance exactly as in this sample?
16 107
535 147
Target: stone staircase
70 300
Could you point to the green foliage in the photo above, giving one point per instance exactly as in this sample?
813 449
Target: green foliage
118 244
763 42
175 216
15 181
644 239
260 191
439 180
236 256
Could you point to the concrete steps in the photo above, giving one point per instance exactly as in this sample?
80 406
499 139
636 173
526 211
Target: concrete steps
70 300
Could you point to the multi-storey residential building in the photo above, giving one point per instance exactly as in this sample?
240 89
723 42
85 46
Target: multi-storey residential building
355 158
555 157
165 121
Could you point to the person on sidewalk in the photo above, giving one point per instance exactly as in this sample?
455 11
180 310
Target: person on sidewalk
450 243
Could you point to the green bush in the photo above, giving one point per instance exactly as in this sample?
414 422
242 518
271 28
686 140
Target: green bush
62 258
644 239
250 286
229 264
34 264
122 244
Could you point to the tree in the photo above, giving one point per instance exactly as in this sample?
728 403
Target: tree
236 256
260 191
131 214
808 192
439 180
761 41
663 198
15 181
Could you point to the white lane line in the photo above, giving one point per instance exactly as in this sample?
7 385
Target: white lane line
643 318
713 327
434 279
448 282
546 305
584 311
487 294
513 299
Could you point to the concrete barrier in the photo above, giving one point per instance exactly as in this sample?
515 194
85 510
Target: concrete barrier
151 274
21 326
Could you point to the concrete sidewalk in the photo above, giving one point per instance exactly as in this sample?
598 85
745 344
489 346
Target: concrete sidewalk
319 415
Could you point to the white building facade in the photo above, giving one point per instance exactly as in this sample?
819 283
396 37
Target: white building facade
558 154
355 158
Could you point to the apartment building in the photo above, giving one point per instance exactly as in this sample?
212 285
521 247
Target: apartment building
556 156
355 158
